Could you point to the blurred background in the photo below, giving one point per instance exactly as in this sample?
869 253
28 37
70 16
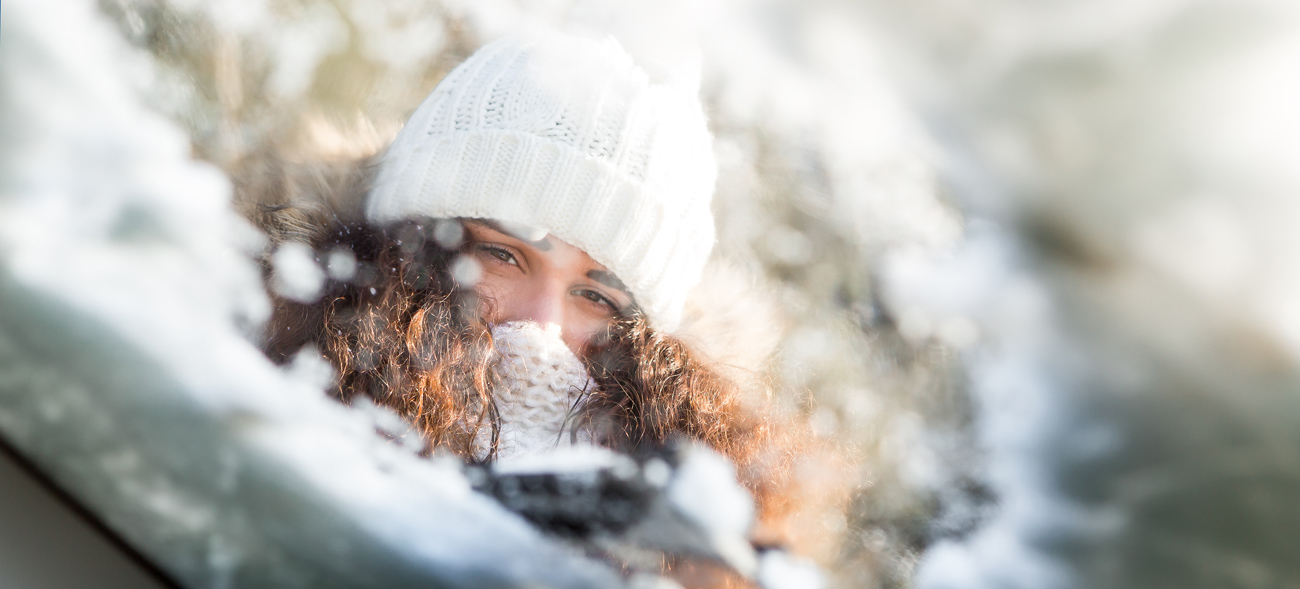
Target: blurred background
1032 266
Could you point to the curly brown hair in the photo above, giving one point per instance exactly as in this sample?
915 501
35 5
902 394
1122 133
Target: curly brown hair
402 332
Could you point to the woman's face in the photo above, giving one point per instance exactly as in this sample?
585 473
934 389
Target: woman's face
546 281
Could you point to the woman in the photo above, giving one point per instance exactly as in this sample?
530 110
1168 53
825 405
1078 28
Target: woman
548 194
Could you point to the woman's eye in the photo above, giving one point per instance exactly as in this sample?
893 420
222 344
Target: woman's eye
597 298
500 254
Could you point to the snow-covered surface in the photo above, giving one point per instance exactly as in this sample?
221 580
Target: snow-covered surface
571 459
125 288
704 489
779 570
1128 307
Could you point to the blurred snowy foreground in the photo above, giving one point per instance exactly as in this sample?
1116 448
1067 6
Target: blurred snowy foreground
1125 299
125 289
126 377
1139 294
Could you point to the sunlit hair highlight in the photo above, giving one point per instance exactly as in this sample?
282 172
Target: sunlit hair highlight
403 333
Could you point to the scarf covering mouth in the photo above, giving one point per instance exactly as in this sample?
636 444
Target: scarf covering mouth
540 388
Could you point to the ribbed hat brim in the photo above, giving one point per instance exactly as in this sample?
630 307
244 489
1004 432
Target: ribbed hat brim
522 178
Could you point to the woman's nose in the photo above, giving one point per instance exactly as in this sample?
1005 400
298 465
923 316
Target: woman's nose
547 306
541 306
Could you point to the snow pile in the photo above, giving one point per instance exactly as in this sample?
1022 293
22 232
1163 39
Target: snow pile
125 292
1123 293
704 489
778 570
642 511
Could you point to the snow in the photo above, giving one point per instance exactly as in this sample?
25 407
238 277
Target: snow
341 264
1130 236
778 570
295 274
704 489
1122 290
466 271
573 459
125 292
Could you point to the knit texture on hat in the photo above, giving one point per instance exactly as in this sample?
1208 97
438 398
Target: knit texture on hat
569 136
540 386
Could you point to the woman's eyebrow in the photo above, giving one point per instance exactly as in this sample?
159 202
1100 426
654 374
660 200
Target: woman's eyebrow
608 279
601 276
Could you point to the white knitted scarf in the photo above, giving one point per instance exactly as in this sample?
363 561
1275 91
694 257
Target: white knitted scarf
541 386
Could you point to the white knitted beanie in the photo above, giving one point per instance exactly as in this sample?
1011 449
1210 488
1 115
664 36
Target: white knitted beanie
569 136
